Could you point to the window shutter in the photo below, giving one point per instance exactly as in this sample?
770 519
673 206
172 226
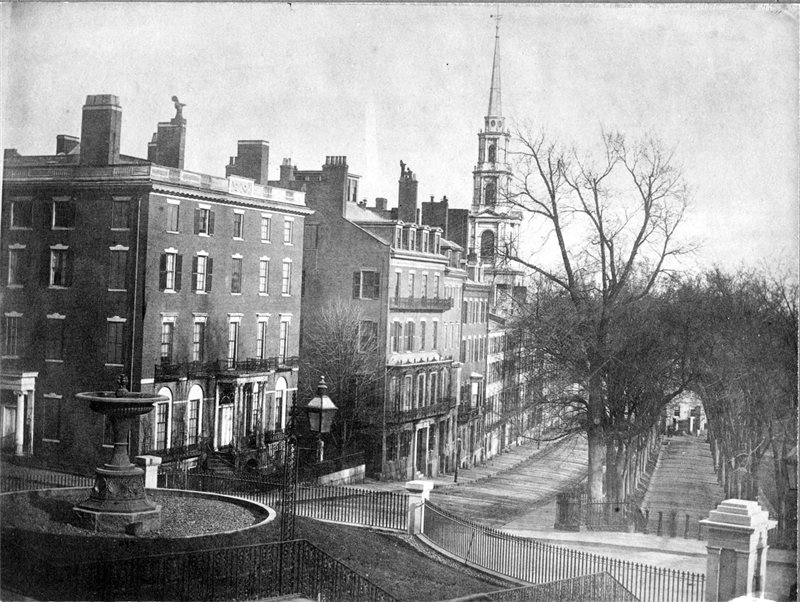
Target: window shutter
194 273
210 223
69 268
71 214
47 215
209 270
356 285
162 272
178 267
197 221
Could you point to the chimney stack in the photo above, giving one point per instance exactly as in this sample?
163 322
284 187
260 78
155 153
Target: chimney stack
100 130
168 145
66 144
251 161
407 195
287 170
381 203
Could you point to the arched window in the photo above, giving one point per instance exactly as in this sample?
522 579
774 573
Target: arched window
492 153
161 426
490 194
195 415
279 410
487 246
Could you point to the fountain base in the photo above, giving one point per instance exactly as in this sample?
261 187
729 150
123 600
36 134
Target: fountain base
118 503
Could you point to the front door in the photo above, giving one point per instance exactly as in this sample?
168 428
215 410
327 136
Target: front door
9 426
225 435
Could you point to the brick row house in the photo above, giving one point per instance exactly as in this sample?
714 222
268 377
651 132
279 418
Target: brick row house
186 283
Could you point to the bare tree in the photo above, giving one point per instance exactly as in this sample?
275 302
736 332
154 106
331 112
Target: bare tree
609 223
341 345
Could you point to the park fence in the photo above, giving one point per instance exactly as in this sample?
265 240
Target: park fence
600 587
237 573
536 562
14 479
335 503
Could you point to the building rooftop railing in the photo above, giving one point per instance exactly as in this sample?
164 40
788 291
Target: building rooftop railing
231 185
421 303
435 409
167 372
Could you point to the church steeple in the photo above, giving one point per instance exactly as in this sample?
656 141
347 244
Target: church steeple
495 106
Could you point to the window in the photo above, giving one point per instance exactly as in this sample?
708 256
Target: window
199 341
52 417
397 336
115 328
263 276
120 214
202 273
421 400
63 215
233 341
22 214
194 417
162 419
366 285
367 336
54 346
408 391
261 339
411 285
236 275
311 236
17 265
167 340
410 335
283 343
436 285
11 338
424 286
288 231
266 228
422 333
435 335
204 221
118 269
397 285
170 267
286 277
60 266
173 217
238 225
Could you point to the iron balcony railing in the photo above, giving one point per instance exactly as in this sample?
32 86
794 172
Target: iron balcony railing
420 303
435 409
165 371
465 414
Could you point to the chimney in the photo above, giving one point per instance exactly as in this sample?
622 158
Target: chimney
407 195
287 170
100 130
251 161
66 144
381 203
152 149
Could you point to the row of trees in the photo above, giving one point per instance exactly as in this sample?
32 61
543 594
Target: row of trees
613 331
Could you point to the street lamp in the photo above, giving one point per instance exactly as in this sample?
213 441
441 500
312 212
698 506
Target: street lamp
320 411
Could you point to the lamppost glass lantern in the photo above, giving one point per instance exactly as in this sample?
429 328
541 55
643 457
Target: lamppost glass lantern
321 410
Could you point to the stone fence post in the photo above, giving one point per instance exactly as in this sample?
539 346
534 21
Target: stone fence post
150 465
737 550
418 493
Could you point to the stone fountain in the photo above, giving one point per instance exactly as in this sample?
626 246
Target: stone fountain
118 502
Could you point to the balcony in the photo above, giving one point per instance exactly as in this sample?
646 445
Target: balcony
420 303
169 372
467 414
436 409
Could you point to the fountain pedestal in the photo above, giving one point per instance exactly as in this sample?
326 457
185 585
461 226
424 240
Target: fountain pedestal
118 502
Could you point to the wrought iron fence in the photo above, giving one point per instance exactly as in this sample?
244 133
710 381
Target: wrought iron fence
575 510
537 562
383 509
237 573
23 480
600 587
165 371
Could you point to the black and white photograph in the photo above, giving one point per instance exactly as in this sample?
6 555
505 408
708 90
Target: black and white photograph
386 301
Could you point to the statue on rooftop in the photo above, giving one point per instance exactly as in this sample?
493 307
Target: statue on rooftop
178 108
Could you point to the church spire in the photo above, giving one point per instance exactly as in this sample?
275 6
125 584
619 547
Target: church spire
495 109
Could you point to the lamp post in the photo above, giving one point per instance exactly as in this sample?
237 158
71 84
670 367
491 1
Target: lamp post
320 411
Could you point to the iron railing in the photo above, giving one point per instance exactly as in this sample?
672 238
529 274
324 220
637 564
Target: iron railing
164 371
434 409
236 573
537 562
600 587
25 480
467 413
575 510
382 509
420 303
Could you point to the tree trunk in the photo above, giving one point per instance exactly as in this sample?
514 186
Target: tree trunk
597 461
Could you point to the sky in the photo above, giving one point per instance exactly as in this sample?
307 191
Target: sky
381 83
